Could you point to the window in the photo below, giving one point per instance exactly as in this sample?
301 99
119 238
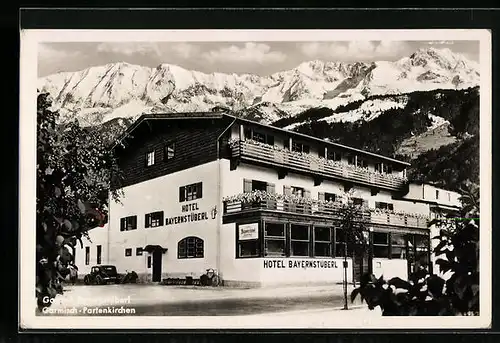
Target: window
300 147
128 223
248 246
383 168
398 245
258 136
333 155
128 252
437 194
191 192
297 191
384 206
138 251
299 240
169 152
87 256
274 235
153 219
330 197
255 185
381 244
149 261
358 201
322 241
361 163
99 252
351 159
190 247
150 158
339 242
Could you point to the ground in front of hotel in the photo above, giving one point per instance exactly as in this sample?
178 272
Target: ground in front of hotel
157 300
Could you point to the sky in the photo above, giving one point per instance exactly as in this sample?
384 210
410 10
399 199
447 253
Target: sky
261 58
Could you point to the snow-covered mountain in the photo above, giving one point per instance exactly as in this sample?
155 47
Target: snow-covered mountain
121 90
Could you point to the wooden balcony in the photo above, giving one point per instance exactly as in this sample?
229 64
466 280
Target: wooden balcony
252 152
322 212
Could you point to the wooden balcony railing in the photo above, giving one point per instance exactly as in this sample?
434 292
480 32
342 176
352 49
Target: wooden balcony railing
331 211
249 150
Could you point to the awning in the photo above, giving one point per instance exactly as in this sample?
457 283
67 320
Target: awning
150 248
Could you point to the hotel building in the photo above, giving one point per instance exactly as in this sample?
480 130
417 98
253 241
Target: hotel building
210 190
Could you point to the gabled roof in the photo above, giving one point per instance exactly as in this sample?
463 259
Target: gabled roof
220 115
166 116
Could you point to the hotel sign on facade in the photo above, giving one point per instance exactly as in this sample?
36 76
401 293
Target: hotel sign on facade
191 213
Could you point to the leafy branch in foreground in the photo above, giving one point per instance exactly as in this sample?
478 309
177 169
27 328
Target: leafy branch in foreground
74 172
454 291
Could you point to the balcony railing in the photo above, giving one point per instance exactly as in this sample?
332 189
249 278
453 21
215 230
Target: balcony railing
329 211
250 150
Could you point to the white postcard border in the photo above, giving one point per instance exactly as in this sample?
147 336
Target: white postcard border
27 182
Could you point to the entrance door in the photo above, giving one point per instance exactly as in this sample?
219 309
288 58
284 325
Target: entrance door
157 259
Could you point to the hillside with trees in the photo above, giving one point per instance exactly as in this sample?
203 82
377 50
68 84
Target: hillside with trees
449 165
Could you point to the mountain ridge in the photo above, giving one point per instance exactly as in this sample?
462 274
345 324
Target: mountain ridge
101 93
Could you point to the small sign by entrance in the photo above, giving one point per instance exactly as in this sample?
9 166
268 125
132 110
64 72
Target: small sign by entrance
248 231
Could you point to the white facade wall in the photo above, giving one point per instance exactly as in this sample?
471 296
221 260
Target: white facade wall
162 194
98 236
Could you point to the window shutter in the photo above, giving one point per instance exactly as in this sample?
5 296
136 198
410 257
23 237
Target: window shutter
287 190
247 186
182 194
199 190
307 193
147 220
321 196
134 221
122 224
271 188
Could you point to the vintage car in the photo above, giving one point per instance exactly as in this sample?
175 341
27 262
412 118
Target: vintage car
101 275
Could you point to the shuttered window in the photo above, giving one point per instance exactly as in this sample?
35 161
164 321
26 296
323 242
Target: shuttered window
128 223
153 219
191 192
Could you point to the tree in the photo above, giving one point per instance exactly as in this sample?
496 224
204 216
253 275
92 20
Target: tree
353 223
74 172
454 291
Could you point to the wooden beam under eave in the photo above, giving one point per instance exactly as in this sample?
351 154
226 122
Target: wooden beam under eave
282 173
318 180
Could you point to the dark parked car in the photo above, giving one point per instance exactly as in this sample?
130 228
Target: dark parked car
101 275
